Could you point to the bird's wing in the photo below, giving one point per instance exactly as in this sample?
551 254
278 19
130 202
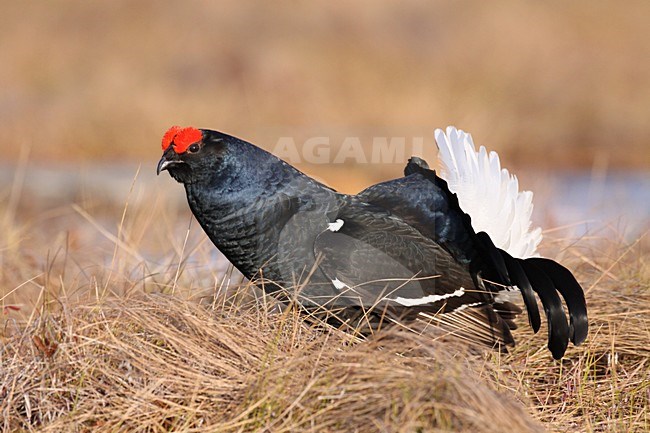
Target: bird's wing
427 205
488 192
420 277
424 201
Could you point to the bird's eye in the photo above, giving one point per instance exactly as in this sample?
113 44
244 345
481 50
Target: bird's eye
193 148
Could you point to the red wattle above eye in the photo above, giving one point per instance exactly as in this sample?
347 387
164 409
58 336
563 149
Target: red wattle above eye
181 138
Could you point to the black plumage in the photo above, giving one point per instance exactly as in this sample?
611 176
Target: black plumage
401 250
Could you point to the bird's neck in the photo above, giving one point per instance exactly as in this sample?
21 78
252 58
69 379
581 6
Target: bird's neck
250 204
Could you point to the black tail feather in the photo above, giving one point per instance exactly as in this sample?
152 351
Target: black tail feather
558 327
572 293
546 278
519 279
495 258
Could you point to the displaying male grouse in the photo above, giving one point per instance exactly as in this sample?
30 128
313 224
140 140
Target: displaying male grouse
399 251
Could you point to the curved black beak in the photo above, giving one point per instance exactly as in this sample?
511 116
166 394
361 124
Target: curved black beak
169 158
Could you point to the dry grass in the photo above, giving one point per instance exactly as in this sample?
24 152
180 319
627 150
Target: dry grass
116 327
164 364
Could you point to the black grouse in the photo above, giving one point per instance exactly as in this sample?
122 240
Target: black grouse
399 251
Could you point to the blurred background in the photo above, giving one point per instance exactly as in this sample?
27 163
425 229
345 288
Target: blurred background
561 90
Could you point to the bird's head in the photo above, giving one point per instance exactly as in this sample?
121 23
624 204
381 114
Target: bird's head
190 154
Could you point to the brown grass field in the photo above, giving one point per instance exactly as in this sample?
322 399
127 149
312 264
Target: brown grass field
122 317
